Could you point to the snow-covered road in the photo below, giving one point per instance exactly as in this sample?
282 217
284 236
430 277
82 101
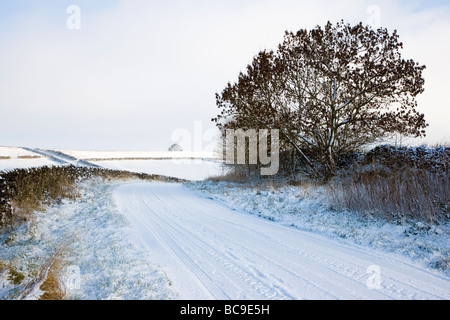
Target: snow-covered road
212 252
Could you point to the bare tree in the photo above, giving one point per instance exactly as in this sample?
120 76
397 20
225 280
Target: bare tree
328 91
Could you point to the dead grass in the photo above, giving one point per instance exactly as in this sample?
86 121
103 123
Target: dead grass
235 174
14 276
52 286
47 279
407 193
25 191
29 157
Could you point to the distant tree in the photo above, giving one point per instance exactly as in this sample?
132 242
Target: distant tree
329 91
175 147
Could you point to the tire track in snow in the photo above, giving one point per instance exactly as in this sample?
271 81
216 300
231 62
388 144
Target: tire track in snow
216 259
235 255
246 275
61 158
161 230
166 233
317 279
306 279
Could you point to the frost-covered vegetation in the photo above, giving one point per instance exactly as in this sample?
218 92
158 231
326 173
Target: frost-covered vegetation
53 218
79 249
396 183
387 181
23 191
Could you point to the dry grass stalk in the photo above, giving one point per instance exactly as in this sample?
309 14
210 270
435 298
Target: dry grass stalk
400 193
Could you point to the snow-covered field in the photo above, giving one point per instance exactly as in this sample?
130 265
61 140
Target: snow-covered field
124 155
183 169
14 152
11 164
17 158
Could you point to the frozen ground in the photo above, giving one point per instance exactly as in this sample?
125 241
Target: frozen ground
210 251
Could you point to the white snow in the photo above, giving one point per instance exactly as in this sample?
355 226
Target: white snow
210 251
207 240
178 168
11 164
113 155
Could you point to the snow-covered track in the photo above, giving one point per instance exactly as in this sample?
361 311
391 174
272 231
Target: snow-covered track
61 158
212 252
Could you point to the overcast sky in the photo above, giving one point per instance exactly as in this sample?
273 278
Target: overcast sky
140 71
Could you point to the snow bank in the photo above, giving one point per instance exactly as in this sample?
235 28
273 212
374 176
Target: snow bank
308 208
